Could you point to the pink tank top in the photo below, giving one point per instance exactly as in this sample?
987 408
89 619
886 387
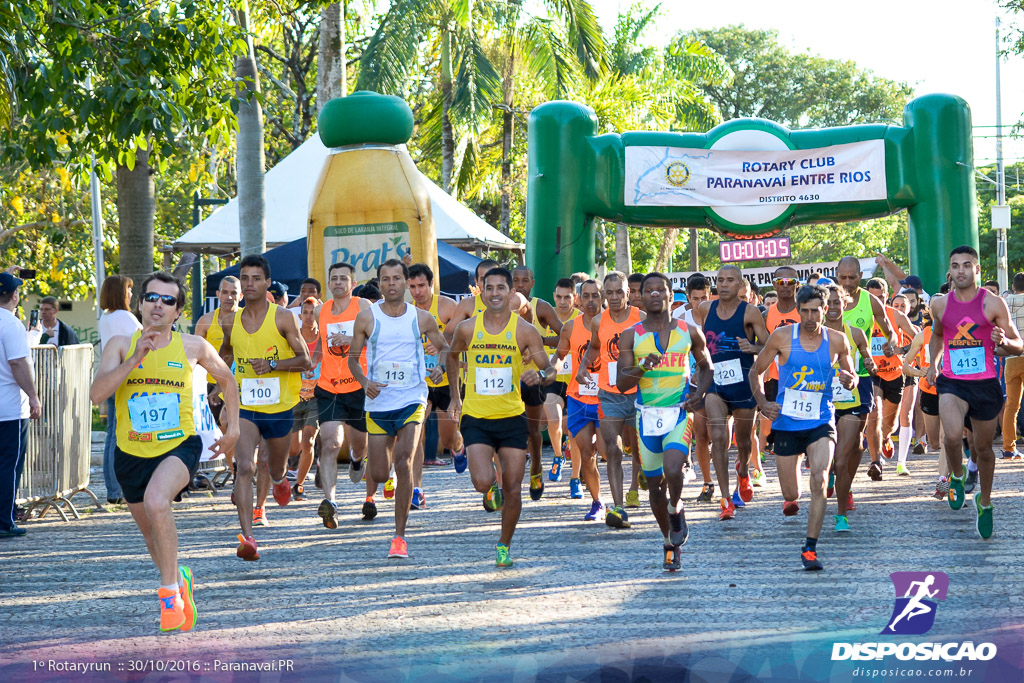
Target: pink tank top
967 339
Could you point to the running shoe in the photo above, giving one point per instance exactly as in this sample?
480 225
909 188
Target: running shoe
810 560
389 488
297 492
503 559
247 549
460 460
678 531
356 470
842 523
369 509
850 505
758 478
984 523
737 500
556 468
259 517
707 493
887 449
596 512
763 456
971 481
1017 455
536 486
632 499
744 490
436 462
941 488
566 451
728 509
328 511
575 489
291 475
902 471
493 499
172 609
688 473
875 471
672 559
790 508
399 549
419 501
316 482
187 589
282 492
642 481
918 448
617 518
831 490
956 496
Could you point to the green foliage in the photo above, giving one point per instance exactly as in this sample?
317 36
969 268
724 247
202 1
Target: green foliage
986 235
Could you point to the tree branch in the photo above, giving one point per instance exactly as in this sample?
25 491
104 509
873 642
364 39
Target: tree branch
4 234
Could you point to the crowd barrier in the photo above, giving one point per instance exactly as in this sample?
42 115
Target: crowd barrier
58 458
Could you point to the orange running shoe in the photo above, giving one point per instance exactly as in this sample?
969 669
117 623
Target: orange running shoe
282 492
728 510
172 609
247 548
389 488
850 505
186 588
790 508
259 517
398 548
745 489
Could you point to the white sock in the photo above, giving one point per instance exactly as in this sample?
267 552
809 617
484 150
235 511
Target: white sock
972 466
172 587
904 445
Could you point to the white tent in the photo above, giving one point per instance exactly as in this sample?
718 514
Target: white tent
288 186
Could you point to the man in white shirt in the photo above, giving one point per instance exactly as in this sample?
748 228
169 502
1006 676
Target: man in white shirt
18 401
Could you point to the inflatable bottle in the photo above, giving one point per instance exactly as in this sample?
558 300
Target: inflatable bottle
370 203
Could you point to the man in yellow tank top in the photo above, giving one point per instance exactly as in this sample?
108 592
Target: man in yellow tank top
554 400
471 305
549 326
158 450
211 328
498 345
269 354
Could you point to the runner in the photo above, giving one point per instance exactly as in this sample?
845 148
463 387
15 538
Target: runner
920 352
734 331
581 401
211 327
264 342
697 292
636 295
901 304
339 396
497 345
441 308
473 305
396 388
969 326
555 395
803 417
664 400
783 312
549 325
617 409
158 449
306 411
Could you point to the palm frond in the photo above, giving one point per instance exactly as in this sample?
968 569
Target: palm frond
584 34
393 49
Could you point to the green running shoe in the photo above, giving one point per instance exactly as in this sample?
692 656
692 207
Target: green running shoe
984 524
503 559
956 494
617 518
842 524
493 499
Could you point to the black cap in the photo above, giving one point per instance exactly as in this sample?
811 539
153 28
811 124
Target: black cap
278 288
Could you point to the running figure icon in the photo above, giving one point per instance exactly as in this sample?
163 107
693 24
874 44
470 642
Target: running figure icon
917 593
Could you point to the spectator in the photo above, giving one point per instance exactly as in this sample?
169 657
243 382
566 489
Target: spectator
813 278
770 297
992 286
1014 372
18 402
310 287
914 283
55 331
280 292
116 321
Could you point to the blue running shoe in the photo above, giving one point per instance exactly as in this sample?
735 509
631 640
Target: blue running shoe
460 460
556 468
596 512
737 501
418 499
575 489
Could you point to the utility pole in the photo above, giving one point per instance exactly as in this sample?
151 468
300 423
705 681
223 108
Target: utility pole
1000 212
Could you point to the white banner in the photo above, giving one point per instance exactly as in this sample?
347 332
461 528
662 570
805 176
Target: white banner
202 415
679 176
762 277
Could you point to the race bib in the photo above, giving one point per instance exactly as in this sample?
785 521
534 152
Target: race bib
154 413
876 346
658 421
396 374
968 361
344 328
430 362
590 386
493 381
802 405
565 366
728 372
264 391
841 394
613 372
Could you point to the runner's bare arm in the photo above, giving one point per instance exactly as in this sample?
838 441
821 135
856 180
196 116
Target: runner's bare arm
207 357
903 322
757 331
459 344
563 341
915 348
700 313
362 328
113 369
630 372
288 327
428 326
864 346
771 351
839 348
703 374
530 342
227 354
521 305
463 311
548 318
203 324
935 344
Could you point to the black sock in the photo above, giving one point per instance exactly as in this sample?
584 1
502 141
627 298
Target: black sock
811 543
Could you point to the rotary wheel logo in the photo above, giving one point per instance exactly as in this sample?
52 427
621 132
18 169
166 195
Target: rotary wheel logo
677 174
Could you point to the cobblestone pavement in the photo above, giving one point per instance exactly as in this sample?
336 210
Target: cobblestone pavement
580 594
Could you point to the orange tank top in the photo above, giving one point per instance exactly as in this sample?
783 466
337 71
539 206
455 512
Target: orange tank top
922 362
888 368
775 320
579 338
335 376
608 333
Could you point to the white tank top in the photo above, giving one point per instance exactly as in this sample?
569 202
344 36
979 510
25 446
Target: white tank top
394 356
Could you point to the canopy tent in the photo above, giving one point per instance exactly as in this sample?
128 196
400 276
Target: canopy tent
288 188
288 265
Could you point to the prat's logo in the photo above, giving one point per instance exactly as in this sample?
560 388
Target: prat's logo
677 174
916 596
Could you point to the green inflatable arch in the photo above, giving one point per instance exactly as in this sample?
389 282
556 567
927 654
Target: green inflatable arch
643 178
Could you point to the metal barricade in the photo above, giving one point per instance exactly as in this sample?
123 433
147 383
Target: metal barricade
58 457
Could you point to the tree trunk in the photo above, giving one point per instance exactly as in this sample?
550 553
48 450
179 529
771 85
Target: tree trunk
136 206
623 257
249 155
330 76
668 246
694 256
447 138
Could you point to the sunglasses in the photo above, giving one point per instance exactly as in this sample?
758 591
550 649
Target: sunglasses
166 299
786 281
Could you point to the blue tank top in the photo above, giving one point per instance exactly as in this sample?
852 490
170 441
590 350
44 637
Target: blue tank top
731 365
805 387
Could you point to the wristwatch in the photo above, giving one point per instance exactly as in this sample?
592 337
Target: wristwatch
273 365
543 375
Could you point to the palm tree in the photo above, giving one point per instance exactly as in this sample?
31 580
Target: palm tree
249 157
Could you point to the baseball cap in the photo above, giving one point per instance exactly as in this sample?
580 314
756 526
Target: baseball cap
825 281
678 297
278 288
913 281
9 283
